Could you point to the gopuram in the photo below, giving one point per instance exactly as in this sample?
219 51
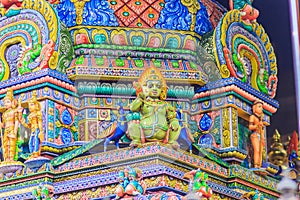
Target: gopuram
137 99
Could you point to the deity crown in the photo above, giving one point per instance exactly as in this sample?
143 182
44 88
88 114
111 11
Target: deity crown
9 94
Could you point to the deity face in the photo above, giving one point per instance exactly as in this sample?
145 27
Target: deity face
153 89
258 108
7 103
31 106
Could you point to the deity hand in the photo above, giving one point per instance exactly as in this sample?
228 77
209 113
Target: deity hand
174 125
142 96
20 108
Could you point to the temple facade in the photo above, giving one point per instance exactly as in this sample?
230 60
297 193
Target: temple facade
76 68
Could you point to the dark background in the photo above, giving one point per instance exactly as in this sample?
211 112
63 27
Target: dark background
274 17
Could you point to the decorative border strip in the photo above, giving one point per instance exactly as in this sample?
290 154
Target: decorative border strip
148 150
237 171
93 73
233 81
28 79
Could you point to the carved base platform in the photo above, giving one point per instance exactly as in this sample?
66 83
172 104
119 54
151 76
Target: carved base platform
35 163
7 168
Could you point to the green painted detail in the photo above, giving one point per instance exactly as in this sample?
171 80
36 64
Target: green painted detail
138 3
28 58
211 156
120 62
139 63
2 69
74 153
240 68
175 64
99 61
157 63
193 65
135 48
261 81
79 60
66 50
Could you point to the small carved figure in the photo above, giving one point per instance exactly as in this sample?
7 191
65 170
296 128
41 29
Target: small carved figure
156 118
35 123
257 136
249 14
198 184
10 124
131 183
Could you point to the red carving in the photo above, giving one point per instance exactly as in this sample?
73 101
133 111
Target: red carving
293 145
10 3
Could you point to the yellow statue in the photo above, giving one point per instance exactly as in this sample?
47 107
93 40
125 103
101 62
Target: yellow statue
257 136
10 124
153 119
35 123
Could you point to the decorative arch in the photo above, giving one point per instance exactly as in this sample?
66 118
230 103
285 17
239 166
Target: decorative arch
35 26
244 51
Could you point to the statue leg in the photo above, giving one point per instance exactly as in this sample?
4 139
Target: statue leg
36 147
12 148
255 141
134 133
5 147
31 143
173 137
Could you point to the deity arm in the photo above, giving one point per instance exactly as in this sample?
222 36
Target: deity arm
16 122
252 125
171 115
23 122
40 120
136 104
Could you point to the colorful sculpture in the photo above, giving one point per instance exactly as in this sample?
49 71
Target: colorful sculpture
257 137
157 120
10 124
35 123
198 184
119 130
131 183
185 135
43 192
249 14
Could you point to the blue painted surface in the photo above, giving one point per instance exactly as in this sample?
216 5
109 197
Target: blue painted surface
66 12
203 24
99 13
174 16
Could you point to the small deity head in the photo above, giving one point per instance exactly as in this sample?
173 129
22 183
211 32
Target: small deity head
8 100
33 104
153 84
257 108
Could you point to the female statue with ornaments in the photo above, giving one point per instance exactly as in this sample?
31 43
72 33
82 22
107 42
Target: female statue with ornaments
35 123
10 125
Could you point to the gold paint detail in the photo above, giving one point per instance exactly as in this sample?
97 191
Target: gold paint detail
225 127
